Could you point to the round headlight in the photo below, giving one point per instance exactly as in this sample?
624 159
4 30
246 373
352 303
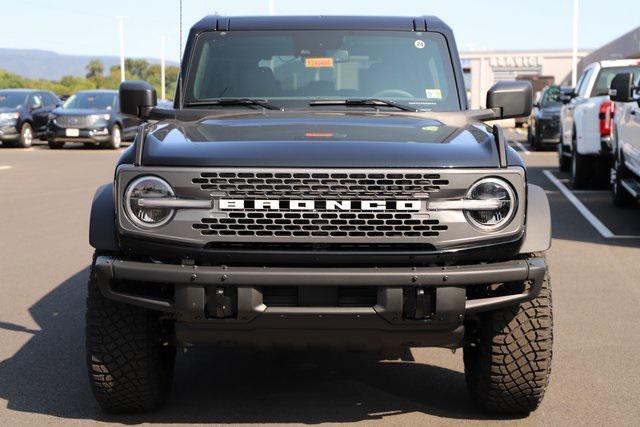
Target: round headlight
144 188
499 191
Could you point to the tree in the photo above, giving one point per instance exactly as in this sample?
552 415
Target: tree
138 68
95 68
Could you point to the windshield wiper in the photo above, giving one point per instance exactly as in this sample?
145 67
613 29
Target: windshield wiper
367 102
248 102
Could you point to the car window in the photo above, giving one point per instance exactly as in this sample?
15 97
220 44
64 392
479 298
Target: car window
551 97
92 100
584 83
35 101
10 99
605 77
295 67
50 100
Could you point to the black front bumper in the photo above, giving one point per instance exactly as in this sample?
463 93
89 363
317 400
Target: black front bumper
94 135
383 323
548 130
9 133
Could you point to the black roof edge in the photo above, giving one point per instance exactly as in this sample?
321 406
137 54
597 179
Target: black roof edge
310 22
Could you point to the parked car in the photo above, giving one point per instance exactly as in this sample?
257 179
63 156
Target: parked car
586 121
544 122
308 191
538 83
625 139
93 118
24 114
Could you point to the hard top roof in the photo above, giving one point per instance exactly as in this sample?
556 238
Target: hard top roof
321 22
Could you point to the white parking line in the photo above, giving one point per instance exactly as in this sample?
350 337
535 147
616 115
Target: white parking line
5 167
586 213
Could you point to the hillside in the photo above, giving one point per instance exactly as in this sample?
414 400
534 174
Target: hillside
43 64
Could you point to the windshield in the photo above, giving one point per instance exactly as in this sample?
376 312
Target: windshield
91 100
293 68
603 83
551 97
12 99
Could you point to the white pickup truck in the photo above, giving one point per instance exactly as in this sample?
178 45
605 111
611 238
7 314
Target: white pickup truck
586 120
625 138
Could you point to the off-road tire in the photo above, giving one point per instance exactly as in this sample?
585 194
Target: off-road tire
55 145
508 362
130 364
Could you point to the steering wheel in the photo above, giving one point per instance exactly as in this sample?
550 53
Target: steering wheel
393 93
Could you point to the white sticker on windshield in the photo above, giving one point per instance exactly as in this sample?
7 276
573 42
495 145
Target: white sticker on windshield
419 44
433 93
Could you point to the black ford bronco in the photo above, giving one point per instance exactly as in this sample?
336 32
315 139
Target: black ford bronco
320 181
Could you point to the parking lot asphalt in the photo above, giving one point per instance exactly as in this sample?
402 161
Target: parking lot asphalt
45 198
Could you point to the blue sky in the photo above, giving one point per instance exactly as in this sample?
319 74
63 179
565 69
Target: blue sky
89 27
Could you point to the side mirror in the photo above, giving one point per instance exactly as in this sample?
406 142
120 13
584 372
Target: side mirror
511 98
137 98
621 89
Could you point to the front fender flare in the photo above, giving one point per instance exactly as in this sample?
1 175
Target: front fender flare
102 225
538 232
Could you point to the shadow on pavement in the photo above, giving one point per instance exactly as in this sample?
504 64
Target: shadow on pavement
47 376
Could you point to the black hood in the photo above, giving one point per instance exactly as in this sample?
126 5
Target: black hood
282 139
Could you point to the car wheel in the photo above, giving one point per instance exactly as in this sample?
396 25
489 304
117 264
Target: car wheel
581 167
620 196
115 141
535 142
129 361
508 360
26 136
564 161
55 145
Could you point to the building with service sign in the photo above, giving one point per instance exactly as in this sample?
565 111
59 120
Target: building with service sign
483 68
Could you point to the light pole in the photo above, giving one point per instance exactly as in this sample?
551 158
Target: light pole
162 65
121 25
574 59
272 7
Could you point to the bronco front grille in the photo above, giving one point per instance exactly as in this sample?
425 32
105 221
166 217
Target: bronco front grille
320 223
321 185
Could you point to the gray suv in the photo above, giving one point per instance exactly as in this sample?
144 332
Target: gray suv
320 181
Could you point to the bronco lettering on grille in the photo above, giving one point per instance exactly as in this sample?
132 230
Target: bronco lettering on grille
324 205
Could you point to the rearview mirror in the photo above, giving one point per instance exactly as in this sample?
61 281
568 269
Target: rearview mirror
511 98
621 89
137 98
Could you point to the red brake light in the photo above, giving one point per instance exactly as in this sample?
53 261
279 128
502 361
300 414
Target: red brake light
607 110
